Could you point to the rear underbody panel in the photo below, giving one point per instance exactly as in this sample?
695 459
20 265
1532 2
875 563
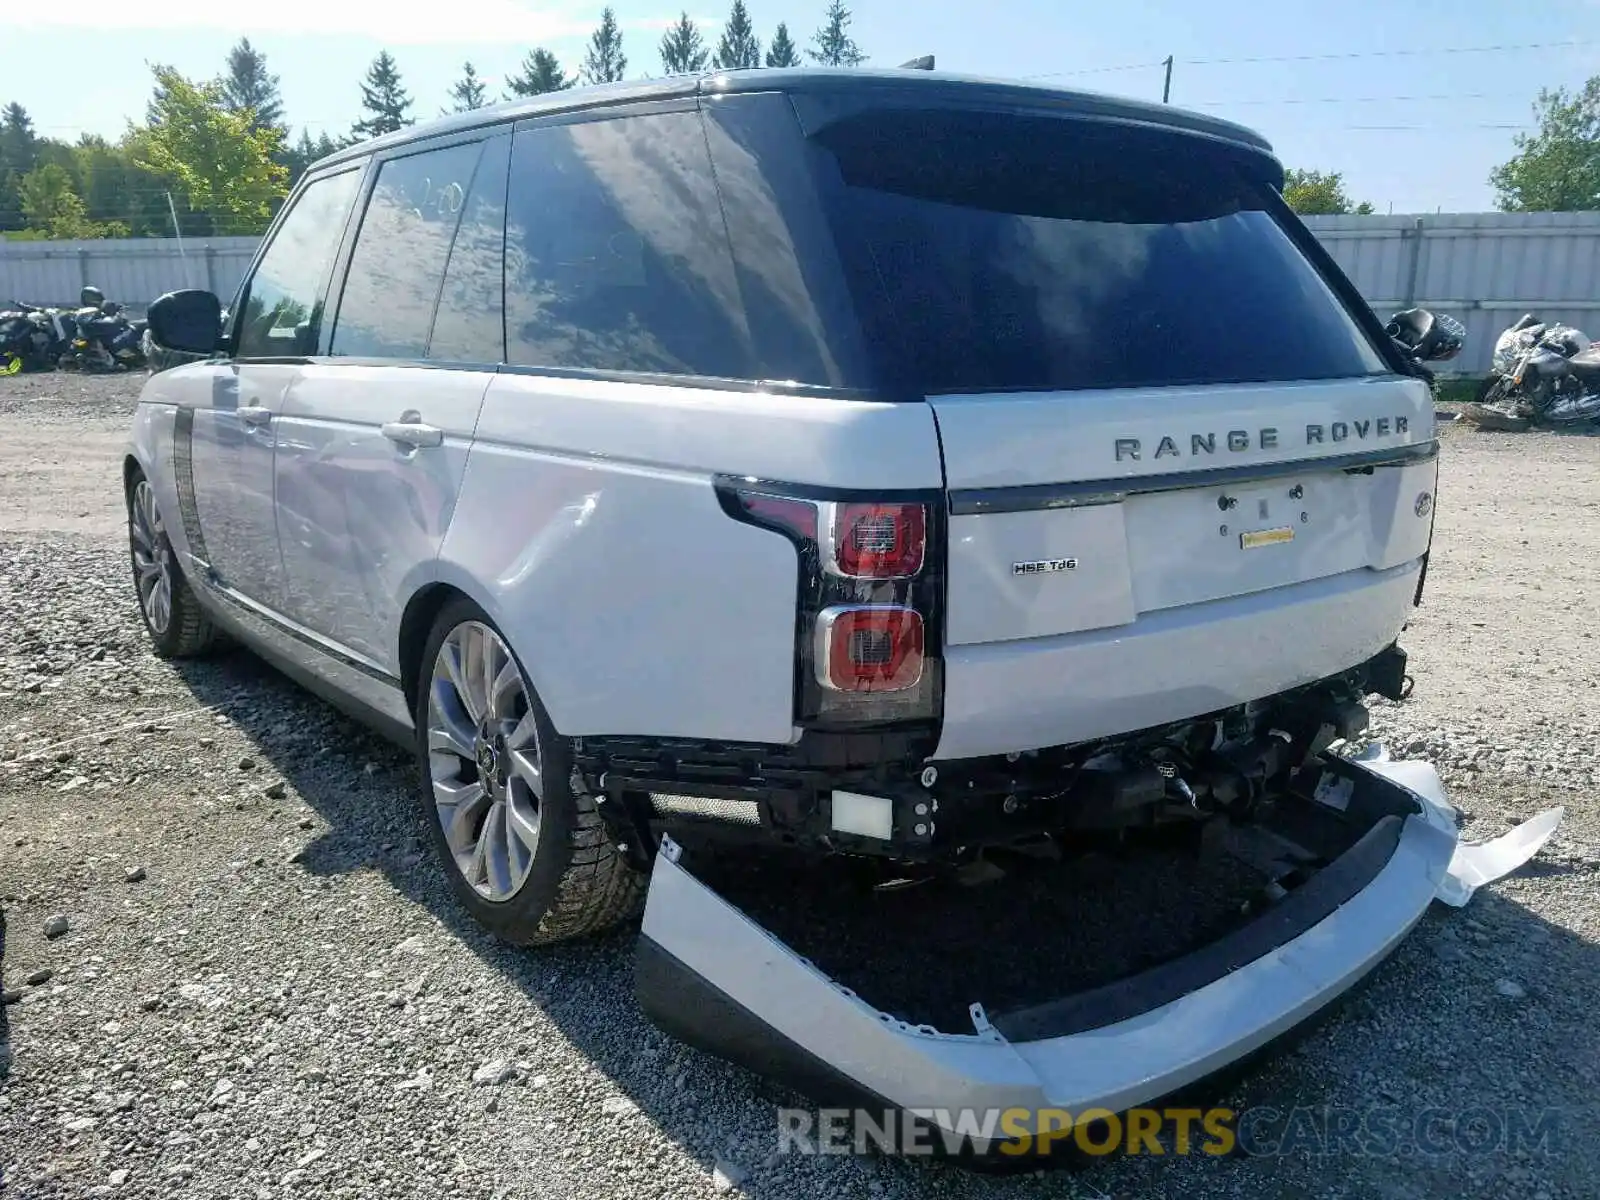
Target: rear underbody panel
714 977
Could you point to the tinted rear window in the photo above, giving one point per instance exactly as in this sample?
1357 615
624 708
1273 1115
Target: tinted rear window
993 252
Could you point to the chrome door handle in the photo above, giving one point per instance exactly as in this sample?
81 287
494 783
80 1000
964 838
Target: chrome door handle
254 414
412 433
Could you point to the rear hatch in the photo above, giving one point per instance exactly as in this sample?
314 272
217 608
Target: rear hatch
1156 415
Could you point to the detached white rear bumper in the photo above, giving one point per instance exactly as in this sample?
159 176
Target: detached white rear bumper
715 978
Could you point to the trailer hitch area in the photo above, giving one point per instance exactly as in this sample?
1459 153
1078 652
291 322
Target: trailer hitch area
713 977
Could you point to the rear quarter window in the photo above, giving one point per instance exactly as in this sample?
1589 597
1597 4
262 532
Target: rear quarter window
616 257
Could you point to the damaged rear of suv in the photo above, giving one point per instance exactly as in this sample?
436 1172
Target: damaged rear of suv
930 501
1186 509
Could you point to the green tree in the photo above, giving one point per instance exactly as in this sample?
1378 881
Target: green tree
782 52
19 144
19 152
247 86
739 47
50 206
541 72
1312 193
116 189
683 50
388 107
1558 168
832 45
221 165
468 92
605 62
299 157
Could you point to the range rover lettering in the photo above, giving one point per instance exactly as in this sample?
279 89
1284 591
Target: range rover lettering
831 465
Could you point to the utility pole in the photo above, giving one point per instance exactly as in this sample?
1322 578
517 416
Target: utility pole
177 232
1166 88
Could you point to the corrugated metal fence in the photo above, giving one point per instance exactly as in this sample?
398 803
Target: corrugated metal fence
132 270
1486 269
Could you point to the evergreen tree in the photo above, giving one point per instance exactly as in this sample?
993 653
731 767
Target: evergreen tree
739 46
783 52
832 44
19 154
683 51
247 85
388 106
541 73
468 92
299 156
605 61
19 144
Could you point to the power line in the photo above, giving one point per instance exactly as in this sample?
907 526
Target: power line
1144 66
1358 99
1502 48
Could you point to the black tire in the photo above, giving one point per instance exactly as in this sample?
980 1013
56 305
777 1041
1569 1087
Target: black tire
579 883
189 631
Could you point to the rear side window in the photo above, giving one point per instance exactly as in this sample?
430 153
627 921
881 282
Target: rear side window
398 263
468 325
616 255
991 252
284 302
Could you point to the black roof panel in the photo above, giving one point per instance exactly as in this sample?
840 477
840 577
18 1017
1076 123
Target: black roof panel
902 86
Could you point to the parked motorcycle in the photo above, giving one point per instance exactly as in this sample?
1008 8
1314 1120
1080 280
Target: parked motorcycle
1542 373
32 338
1425 337
104 339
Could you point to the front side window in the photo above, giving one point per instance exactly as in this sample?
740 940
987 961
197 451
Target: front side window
283 302
616 255
398 262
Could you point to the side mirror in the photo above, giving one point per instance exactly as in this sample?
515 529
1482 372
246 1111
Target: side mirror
189 321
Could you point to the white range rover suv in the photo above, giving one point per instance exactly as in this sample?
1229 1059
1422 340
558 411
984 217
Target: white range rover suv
931 473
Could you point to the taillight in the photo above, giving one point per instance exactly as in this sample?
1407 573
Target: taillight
876 541
869 599
869 648
798 517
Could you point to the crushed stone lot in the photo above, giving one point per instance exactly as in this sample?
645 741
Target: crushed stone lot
264 990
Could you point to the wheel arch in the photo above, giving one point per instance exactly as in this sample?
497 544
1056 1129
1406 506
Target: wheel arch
131 468
419 615
416 622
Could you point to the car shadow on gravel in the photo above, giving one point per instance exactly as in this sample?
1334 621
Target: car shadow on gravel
1481 989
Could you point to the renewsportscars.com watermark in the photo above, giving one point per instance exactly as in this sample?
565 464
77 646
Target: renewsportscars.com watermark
1378 1132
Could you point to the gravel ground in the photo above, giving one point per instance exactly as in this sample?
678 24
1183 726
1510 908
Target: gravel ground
264 989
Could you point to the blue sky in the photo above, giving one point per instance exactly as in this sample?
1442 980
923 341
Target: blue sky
1365 87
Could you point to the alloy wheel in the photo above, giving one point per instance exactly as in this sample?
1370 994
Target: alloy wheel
152 558
484 760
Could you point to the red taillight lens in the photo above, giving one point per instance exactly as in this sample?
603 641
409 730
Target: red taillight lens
873 648
796 516
878 541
